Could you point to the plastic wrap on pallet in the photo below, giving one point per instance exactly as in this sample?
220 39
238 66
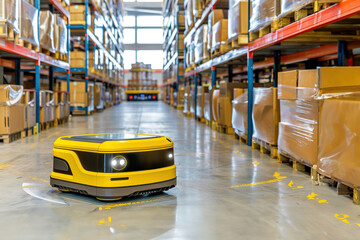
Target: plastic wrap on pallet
56 35
239 118
10 94
238 18
201 40
289 6
192 101
266 115
62 34
9 11
214 104
214 16
263 13
189 16
219 33
47 30
339 138
29 23
298 130
207 106
197 8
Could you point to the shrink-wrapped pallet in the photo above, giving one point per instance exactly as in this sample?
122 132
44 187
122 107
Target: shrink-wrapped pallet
9 13
189 16
239 118
214 16
298 130
192 100
219 33
238 18
214 104
266 115
263 13
62 34
29 23
47 30
201 40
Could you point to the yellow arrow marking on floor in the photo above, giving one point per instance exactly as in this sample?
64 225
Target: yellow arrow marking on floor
102 221
277 179
342 217
291 184
255 163
311 196
109 206
236 152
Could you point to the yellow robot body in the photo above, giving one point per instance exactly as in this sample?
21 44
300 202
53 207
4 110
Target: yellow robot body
111 166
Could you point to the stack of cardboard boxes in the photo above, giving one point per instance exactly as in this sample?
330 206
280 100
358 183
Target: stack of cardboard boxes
29 99
200 100
12 111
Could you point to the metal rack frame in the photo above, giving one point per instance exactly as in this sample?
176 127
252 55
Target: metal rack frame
332 14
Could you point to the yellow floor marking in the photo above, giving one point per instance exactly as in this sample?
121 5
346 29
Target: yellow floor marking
311 196
34 144
342 217
236 152
109 206
255 163
201 153
102 221
277 179
291 184
323 201
40 180
2 166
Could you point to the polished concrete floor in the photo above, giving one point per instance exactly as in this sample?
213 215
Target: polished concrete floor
225 189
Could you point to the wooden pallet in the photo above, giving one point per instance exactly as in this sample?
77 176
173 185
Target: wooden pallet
207 122
342 187
219 50
214 125
47 125
7 32
62 57
28 45
180 107
270 27
242 137
204 60
225 129
11 137
265 147
304 11
200 119
298 165
47 52
238 41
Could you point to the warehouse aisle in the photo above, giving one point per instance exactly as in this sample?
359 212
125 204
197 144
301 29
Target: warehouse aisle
225 189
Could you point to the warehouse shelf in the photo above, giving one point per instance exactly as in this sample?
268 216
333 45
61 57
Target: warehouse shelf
17 50
171 61
57 4
288 45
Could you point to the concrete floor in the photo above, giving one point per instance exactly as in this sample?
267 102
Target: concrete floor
225 189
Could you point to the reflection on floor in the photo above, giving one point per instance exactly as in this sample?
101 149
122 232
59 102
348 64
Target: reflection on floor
225 190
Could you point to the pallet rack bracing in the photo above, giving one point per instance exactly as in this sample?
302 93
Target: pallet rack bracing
97 37
24 58
298 42
173 48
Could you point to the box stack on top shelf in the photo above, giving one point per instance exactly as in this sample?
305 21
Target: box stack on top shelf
173 52
141 86
35 54
317 43
96 53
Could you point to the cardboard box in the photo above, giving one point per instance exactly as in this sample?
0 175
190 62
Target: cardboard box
78 95
30 116
201 100
238 19
12 119
225 111
215 16
238 92
338 79
266 115
287 83
306 84
227 88
207 106
339 140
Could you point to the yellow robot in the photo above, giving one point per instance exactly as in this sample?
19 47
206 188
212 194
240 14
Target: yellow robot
110 166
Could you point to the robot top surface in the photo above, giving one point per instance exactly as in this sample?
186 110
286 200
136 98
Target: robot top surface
113 142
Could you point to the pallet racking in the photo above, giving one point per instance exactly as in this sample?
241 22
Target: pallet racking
292 44
109 22
173 13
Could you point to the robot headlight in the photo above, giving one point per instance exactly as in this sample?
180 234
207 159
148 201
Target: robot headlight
118 163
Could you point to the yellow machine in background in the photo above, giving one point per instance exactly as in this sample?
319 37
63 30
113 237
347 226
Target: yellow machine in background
110 166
